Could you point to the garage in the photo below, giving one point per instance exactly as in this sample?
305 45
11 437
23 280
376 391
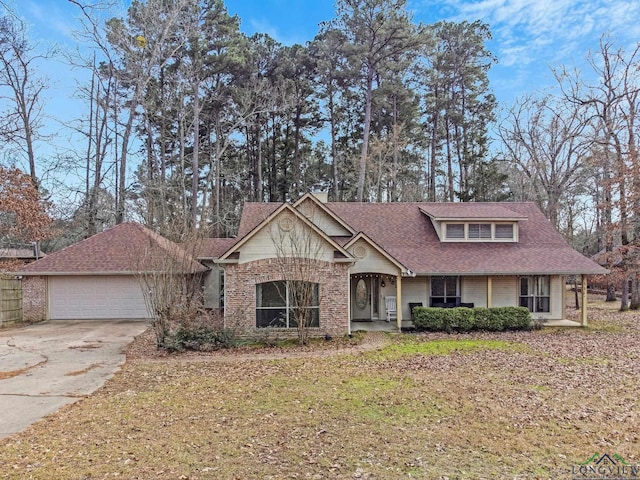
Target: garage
95 297
97 278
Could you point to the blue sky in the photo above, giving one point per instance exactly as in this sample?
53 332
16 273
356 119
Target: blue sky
529 36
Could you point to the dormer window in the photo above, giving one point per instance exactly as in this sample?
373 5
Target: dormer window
480 232
504 231
455 231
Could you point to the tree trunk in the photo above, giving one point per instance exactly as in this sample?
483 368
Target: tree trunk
635 292
334 152
195 161
362 167
434 149
624 302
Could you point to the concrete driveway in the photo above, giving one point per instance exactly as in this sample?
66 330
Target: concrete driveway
48 365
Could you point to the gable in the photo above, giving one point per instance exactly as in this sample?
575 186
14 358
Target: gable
326 221
285 233
371 259
273 241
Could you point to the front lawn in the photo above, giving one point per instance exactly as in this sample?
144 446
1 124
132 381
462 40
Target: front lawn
507 405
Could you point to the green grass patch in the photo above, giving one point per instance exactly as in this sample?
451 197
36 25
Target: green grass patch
411 346
364 398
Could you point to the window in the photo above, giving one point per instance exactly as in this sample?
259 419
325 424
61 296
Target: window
480 230
444 290
504 231
282 304
455 230
535 293
485 232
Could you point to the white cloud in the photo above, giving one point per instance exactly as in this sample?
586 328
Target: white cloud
50 19
529 36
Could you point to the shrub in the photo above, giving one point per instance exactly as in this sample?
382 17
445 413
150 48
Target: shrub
515 318
462 319
486 319
199 338
430 319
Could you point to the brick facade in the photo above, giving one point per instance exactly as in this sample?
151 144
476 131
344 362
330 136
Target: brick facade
34 299
240 294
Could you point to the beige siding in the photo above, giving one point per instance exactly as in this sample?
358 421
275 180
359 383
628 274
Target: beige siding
372 261
504 292
557 290
263 245
438 228
211 286
414 290
474 290
322 219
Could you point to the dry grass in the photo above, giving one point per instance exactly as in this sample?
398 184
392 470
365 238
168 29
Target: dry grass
510 405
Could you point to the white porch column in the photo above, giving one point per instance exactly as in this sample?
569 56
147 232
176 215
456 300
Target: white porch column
399 301
489 290
583 292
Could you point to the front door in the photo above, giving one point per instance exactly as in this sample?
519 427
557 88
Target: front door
365 293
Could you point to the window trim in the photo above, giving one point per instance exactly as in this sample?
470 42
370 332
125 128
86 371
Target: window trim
468 238
447 298
455 238
532 300
289 307
480 230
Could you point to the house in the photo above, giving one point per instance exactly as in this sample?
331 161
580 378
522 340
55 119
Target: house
97 278
361 255
358 262
22 254
12 258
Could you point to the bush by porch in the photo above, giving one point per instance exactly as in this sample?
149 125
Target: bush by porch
463 319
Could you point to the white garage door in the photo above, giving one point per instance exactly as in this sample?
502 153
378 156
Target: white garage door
100 297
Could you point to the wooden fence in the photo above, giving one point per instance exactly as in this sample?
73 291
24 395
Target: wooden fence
10 300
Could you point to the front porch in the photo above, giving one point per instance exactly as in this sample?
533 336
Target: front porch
369 293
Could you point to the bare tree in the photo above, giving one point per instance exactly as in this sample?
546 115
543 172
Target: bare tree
546 139
21 88
612 104
136 48
298 250
171 281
